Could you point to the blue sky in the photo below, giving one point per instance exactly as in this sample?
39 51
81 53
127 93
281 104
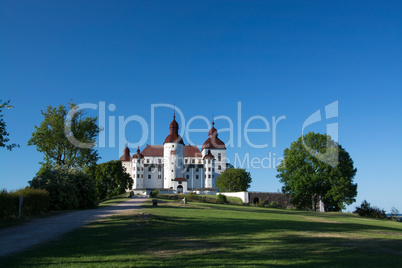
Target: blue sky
275 58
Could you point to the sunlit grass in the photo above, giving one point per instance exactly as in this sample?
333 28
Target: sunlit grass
200 234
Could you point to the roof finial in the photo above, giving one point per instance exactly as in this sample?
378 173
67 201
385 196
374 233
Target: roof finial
174 111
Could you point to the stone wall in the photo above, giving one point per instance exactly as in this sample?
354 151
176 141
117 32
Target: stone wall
279 198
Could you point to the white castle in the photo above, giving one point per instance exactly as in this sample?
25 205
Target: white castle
175 167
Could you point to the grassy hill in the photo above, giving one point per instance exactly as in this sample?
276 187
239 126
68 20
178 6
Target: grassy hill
201 234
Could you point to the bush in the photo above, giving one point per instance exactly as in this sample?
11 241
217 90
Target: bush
154 193
366 210
35 202
261 203
8 204
222 198
68 188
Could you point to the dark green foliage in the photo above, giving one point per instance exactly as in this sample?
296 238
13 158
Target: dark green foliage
233 180
3 132
111 179
35 202
154 193
315 167
68 188
222 198
366 210
66 140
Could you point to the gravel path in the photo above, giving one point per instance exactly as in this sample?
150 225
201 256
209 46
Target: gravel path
22 237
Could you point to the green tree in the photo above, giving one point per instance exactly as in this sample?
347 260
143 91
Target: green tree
3 132
66 138
111 179
233 180
316 168
68 188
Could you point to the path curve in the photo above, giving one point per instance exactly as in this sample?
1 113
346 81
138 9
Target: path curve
21 237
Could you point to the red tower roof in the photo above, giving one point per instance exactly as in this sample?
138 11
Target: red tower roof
126 155
213 142
174 133
138 154
209 155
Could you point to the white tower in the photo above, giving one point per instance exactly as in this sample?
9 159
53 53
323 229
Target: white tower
126 161
173 156
217 148
138 170
209 164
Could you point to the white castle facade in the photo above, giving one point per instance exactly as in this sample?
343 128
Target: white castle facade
175 167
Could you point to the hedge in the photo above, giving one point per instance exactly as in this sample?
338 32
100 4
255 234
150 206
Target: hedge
35 201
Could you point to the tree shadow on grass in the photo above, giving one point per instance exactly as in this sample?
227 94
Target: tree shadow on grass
167 240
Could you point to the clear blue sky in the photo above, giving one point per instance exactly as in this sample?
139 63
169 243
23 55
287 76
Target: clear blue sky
278 58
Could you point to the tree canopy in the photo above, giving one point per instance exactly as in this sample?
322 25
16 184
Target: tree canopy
66 138
3 132
233 180
317 168
110 178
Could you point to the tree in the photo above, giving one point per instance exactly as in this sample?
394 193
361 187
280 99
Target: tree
233 180
366 210
111 179
316 168
66 138
3 132
68 188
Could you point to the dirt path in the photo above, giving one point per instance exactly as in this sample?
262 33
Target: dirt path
22 237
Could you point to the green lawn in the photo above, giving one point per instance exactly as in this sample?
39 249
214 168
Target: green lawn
202 234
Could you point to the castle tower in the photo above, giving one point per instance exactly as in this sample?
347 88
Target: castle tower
126 161
209 165
138 170
217 149
173 156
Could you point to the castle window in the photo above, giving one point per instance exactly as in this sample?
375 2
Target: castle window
142 175
199 161
209 161
219 157
196 177
209 169
147 160
149 169
159 169
159 161
209 176
185 161
133 168
159 177
173 146
196 170
149 176
187 177
138 175
219 167
187 169
192 161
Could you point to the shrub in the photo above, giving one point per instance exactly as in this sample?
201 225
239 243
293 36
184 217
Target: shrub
261 203
34 202
154 193
68 188
366 210
8 204
222 198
